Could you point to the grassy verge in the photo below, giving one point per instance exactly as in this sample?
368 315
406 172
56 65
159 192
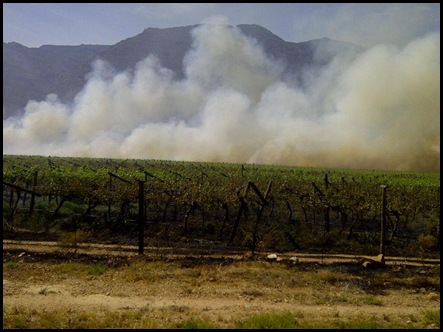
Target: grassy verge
217 294
19 317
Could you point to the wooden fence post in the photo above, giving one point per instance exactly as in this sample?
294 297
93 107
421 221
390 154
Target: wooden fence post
141 216
109 202
34 185
383 221
264 203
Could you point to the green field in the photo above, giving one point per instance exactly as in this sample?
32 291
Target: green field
258 207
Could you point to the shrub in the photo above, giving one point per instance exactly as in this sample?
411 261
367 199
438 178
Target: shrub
427 242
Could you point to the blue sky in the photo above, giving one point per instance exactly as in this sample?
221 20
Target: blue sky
36 24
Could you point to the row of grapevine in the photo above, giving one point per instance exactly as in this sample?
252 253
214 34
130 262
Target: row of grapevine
254 206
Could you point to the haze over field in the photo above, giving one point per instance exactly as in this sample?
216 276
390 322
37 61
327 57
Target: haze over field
379 109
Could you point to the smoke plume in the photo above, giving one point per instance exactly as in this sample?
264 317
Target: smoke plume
378 110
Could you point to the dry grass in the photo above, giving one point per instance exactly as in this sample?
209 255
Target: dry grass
140 292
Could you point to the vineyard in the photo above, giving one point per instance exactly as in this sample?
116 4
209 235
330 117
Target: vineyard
244 206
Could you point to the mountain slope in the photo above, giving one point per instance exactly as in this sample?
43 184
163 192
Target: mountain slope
33 73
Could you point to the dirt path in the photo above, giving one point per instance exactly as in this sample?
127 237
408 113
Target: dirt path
72 294
224 291
56 296
172 252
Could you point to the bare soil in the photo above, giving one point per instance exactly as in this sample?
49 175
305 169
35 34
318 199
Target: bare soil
199 282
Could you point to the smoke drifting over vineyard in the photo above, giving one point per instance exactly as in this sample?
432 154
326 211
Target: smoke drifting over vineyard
380 109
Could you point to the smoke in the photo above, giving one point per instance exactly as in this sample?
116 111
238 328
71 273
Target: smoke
378 110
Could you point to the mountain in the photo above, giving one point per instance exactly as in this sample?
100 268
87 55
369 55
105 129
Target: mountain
33 73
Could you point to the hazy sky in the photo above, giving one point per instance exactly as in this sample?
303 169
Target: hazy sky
36 24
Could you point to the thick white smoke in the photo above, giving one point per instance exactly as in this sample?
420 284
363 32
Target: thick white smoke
380 110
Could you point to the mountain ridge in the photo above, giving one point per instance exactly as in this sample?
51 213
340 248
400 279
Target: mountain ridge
33 73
